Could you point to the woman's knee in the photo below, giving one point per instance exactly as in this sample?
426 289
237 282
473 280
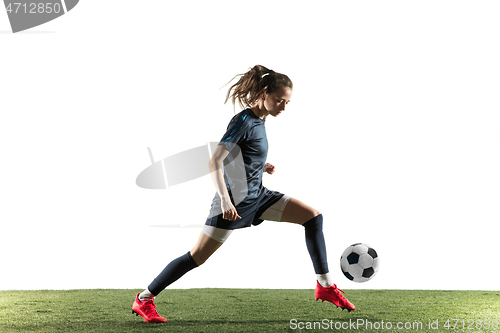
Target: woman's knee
204 248
198 257
315 212
298 212
310 214
201 254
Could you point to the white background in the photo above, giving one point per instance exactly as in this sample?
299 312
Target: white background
392 133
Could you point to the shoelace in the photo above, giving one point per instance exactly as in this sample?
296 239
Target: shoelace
340 295
150 309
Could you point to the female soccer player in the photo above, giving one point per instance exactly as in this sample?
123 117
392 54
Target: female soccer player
241 199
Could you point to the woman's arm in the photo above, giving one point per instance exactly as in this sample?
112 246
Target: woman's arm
215 165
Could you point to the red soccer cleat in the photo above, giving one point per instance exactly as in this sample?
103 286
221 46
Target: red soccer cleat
332 294
147 310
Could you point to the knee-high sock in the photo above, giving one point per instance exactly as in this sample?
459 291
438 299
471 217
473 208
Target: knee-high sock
315 242
174 270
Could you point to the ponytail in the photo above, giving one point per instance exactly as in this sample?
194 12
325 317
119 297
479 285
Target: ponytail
254 83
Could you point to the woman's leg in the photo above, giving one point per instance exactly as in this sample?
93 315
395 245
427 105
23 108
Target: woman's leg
311 219
202 250
209 241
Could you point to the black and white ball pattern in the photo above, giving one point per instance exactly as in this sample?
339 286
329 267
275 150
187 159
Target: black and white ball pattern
359 262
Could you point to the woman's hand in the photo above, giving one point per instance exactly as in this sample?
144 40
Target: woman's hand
229 211
269 168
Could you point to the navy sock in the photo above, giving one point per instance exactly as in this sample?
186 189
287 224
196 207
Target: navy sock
315 242
174 270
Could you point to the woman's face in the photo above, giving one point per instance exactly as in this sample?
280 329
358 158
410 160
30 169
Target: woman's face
276 101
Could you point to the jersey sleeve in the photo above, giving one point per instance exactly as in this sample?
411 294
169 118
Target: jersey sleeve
236 132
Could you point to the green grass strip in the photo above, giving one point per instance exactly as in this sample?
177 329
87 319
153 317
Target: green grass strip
249 310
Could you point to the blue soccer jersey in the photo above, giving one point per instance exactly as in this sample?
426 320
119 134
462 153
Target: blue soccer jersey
246 141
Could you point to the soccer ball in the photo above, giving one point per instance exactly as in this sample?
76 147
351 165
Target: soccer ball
359 262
